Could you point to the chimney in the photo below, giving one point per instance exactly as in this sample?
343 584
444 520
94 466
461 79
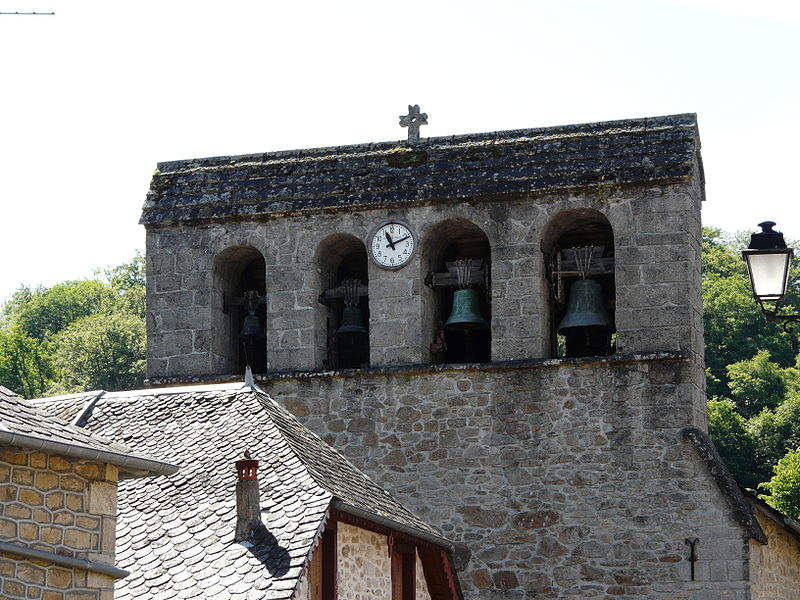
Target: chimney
248 510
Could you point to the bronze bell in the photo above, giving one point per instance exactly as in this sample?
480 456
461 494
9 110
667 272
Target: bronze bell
251 328
351 321
586 325
466 314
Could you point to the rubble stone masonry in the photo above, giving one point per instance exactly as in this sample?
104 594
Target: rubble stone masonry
775 568
657 238
56 505
555 479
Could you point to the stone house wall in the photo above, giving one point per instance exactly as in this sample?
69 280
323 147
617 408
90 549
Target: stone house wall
657 271
557 478
57 505
364 568
775 567
421 584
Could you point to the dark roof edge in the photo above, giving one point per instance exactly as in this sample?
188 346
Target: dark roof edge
727 484
772 513
681 118
163 383
173 218
338 504
131 463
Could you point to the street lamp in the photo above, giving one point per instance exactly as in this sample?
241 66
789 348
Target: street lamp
768 259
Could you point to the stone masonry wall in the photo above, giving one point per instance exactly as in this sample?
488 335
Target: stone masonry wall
364 569
421 584
775 568
555 479
657 272
56 505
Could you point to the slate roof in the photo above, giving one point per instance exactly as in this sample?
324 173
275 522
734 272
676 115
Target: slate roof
475 166
72 406
25 425
175 534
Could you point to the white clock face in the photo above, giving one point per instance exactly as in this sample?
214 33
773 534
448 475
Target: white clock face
392 245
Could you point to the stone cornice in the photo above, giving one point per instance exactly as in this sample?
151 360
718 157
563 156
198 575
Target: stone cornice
427 369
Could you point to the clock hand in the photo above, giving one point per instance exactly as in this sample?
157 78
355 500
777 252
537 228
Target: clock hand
402 239
389 239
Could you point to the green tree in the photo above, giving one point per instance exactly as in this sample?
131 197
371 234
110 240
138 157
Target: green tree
14 305
756 383
49 310
42 330
776 432
720 254
100 351
729 431
127 281
784 487
24 367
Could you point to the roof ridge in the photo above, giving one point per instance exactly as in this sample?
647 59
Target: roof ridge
517 163
178 389
643 123
270 404
261 397
60 397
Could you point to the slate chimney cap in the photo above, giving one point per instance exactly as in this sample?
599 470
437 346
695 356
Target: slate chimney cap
247 470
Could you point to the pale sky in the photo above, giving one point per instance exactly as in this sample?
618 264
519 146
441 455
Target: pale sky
94 97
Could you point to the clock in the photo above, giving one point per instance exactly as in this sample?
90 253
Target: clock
392 245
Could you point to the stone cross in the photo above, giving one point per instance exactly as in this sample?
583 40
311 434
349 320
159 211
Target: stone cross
413 120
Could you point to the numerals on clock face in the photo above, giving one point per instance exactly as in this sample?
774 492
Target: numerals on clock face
392 245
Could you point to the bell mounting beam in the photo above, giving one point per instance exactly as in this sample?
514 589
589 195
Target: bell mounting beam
449 279
338 293
230 301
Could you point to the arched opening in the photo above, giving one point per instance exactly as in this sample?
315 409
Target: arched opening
344 302
578 248
240 283
458 260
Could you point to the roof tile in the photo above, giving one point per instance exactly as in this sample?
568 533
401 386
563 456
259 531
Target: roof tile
176 533
487 165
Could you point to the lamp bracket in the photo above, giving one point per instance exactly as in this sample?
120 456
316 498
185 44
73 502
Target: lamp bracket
772 316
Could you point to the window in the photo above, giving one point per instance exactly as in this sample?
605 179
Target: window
344 303
239 301
578 248
458 303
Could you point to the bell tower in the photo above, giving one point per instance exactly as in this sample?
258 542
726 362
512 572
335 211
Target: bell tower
503 329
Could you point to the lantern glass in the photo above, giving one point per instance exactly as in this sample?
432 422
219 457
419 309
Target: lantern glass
769 272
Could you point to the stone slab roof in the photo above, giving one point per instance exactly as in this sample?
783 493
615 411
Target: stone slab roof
471 167
175 534
25 425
